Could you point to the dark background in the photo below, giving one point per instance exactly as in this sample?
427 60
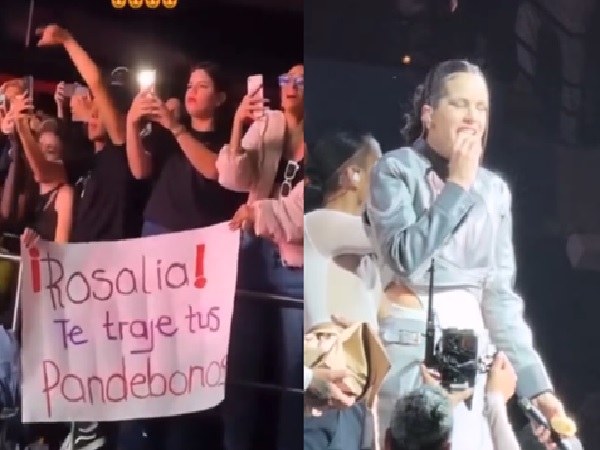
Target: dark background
245 36
356 78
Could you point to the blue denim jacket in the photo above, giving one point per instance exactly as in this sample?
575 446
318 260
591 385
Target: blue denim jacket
469 235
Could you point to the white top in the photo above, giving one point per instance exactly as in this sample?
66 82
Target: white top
351 291
329 288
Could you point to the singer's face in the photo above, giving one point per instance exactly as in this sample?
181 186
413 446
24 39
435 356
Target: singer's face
462 109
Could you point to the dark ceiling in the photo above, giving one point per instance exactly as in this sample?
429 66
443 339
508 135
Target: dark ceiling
244 35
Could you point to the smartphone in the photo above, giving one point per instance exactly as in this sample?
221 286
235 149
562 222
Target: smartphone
147 80
256 90
69 89
3 102
28 85
81 90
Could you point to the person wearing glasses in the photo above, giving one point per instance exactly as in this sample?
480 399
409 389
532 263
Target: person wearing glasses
267 162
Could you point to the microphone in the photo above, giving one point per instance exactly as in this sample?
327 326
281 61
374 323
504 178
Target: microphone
538 418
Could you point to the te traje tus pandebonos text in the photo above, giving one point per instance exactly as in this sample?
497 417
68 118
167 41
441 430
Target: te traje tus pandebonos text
79 288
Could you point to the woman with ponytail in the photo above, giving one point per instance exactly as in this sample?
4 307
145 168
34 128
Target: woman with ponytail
432 205
340 275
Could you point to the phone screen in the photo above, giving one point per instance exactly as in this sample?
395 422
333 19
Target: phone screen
81 90
69 89
147 80
256 89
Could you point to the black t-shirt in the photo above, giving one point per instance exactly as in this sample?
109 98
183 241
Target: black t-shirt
109 200
183 199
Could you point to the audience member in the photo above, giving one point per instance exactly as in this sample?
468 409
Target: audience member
186 195
423 418
268 163
116 164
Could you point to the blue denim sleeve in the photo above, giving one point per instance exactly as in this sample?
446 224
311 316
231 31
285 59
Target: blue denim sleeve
502 310
408 239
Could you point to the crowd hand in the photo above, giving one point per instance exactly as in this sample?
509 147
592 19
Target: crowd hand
81 107
21 106
143 105
243 218
8 123
327 390
162 115
29 238
52 35
59 94
502 377
465 159
250 105
432 378
550 407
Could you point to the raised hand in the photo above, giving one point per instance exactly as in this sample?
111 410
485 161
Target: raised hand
52 35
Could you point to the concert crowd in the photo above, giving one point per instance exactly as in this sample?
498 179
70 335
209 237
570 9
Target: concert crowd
114 160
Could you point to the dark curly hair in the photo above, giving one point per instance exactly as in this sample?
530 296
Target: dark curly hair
430 92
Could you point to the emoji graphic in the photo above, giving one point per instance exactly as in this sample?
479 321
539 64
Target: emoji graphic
118 4
136 4
170 4
152 4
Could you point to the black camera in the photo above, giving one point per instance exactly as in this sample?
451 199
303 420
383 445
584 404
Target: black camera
455 356
456 359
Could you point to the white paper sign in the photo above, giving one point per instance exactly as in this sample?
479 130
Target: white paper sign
128 329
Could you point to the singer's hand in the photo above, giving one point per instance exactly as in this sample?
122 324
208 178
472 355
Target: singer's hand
550 407
465 159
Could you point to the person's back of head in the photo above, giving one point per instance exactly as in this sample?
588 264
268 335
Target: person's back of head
422 420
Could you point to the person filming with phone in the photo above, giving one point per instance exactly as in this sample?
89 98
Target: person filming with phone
267 162
186 195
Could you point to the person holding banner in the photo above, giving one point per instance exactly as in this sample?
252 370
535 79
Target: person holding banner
185 196
267 162
111 199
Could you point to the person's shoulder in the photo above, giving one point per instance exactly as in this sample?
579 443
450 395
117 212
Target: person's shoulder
65 194
401 161
323 226
318 218
274 114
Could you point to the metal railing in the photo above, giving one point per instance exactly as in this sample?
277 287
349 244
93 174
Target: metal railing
276 301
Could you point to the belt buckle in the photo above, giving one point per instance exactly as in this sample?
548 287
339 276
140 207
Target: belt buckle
409 337
402 337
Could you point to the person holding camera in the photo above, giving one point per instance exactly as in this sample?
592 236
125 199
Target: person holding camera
423 418
432 204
